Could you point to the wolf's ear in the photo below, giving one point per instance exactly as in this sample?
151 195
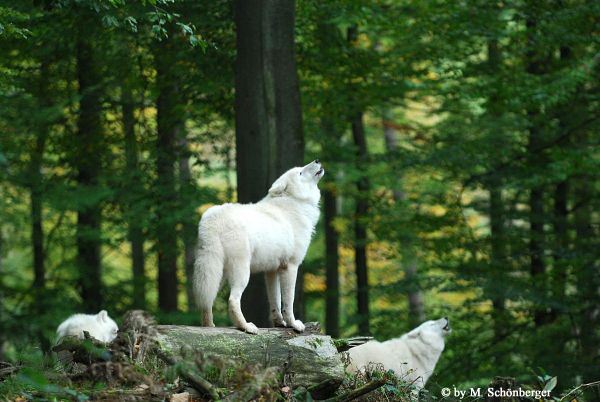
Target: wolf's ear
102 316
279 186
414 333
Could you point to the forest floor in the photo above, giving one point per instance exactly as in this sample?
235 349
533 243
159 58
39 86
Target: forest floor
52 379
133 368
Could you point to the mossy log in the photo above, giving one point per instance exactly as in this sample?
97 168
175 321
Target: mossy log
308 358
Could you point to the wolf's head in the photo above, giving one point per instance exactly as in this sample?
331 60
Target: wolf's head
431 333
300 183
109 327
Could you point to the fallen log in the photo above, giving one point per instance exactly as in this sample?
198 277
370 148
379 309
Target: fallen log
305 359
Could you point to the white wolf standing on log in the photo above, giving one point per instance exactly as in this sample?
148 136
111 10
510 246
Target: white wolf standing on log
271 236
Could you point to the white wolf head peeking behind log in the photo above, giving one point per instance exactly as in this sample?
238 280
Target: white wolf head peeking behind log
99 326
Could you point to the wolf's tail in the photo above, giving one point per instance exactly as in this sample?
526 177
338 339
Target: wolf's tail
208 272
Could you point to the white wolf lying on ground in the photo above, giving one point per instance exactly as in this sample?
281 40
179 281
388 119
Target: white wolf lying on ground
271 236
99 326
412 357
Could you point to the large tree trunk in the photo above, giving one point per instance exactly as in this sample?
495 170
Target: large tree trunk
168 119
416 307
269 138
188 225
360 227
88 162
134 190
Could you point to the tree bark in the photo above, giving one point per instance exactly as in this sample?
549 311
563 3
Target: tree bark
269 137
360 227
134 191
416 307
168 119
88 162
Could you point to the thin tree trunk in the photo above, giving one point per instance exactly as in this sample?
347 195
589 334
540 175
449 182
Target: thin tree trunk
36 198
497 214
536 196
416 307
135 228
330 211
269 137
586 273
559 277
188 224
88 164
498 257
2 318
36 193
360 227
168 120
332 278
561 213
536 248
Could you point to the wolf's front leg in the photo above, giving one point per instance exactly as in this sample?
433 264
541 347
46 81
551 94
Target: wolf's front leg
274 293
287 278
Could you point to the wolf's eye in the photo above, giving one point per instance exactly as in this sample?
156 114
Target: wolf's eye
300 173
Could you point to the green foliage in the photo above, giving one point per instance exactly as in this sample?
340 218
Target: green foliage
487 101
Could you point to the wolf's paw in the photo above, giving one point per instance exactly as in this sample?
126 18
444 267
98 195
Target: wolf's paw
298 326
279 322
251 328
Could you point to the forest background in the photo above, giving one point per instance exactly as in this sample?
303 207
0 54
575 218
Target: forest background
459 138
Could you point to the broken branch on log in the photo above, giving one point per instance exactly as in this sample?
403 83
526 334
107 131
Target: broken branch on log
195 380
358 392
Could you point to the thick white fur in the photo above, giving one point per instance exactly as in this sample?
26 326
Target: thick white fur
412 357
99 326
271 236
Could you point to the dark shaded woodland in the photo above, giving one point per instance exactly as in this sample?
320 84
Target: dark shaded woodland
460 142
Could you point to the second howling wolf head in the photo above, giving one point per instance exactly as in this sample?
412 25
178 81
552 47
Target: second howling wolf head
412 357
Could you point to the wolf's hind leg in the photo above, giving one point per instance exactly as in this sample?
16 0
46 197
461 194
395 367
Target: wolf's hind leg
238 276
207 318
274 293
